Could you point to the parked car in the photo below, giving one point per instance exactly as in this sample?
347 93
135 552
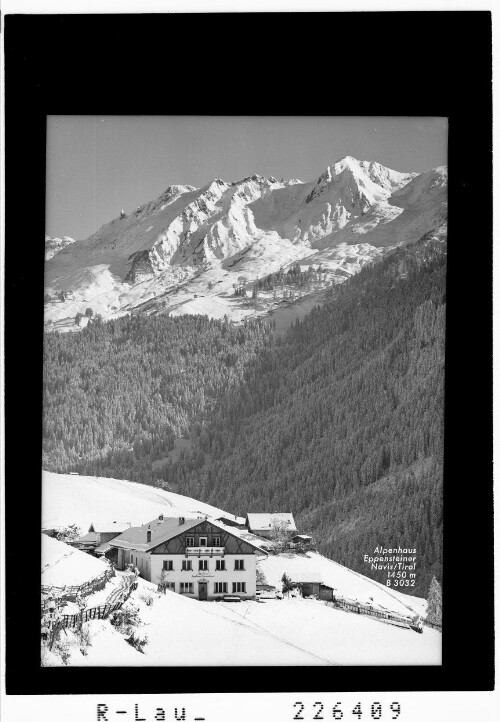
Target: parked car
268 594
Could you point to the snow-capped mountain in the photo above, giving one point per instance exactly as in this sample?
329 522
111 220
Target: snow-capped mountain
54 245
187 250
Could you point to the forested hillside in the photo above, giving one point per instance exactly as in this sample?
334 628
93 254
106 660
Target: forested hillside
117 394
339 421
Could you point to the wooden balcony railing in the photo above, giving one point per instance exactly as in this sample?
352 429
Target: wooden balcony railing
204 551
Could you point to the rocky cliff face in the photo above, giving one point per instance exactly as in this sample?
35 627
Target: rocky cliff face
200 239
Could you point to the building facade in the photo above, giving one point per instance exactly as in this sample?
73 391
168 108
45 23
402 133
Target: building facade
200 558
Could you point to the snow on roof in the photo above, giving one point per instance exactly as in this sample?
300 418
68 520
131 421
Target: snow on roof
264 522
161 531
244 534
106 527
63 565
168 528
309 576
89 538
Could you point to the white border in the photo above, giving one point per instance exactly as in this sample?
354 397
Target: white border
203 6
417 706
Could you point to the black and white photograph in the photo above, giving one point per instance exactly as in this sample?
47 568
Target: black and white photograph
248 432
243 393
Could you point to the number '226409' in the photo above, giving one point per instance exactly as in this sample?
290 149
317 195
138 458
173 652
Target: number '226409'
366 711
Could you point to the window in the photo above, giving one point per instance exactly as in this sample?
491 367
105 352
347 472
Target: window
168 565
186 587
220 565
239 587
190 541
203 541
239 564
187 565
216 541
220 588
203 565
170 585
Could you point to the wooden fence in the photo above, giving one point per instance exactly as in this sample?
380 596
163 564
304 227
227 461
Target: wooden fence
74 620
84 590
70 621
350 605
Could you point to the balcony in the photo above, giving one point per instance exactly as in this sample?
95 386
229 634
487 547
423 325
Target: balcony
204 551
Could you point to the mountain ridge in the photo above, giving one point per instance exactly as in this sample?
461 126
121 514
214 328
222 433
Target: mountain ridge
197 243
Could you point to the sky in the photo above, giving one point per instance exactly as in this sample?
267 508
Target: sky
99 165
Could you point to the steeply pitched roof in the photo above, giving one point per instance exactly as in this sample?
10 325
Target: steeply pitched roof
264 522
161 531
168 528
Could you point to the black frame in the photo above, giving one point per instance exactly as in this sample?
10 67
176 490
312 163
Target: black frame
77 64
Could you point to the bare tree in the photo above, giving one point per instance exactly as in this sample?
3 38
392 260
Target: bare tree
279 535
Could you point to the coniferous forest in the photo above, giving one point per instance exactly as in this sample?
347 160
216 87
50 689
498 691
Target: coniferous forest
340 420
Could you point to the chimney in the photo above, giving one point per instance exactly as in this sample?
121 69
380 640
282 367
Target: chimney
181 520
148 535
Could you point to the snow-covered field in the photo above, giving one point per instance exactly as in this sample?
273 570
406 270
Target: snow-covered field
285 632
81 500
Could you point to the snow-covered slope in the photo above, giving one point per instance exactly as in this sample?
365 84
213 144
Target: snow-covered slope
289 632
344 581
185 251
82 500
62 565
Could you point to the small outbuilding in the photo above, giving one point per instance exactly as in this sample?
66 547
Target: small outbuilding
302 539
97 538
311 585
263 524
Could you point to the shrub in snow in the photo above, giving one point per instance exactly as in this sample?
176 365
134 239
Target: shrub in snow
62 649
138 640
147 598
69 533
287 583
84 638
125 620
